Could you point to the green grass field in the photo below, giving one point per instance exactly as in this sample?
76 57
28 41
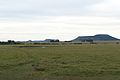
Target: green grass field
68 62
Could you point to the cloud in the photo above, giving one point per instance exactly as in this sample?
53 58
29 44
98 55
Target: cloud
61 27
30 8
106 8
24 8
63 19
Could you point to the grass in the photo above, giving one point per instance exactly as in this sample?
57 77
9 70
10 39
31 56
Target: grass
70 62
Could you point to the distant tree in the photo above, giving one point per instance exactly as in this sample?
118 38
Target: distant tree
57 40
51 40
11 41
54 40
67 41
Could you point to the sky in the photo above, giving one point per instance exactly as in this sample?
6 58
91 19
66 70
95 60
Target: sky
58 19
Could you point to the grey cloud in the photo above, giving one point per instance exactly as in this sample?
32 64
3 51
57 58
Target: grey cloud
14 8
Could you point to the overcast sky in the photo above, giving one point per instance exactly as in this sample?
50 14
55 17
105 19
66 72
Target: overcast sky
58 19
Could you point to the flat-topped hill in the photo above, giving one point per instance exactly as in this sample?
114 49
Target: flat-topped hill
98 37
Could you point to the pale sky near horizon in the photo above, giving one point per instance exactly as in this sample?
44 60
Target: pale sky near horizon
58 19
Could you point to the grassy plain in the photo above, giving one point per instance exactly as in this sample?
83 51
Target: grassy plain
68 62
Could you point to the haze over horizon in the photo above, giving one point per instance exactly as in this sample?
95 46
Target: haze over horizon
58 19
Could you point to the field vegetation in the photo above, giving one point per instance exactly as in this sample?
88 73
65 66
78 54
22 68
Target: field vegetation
60 62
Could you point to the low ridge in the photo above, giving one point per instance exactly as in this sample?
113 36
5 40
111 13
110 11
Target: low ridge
98 37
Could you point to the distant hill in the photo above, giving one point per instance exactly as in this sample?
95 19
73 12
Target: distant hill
98 37
45 41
